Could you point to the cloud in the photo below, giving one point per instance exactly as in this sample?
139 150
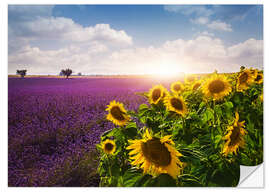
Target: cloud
206 33
58 32
214 25
200 54
200 20
227 13
220 26
248 52
100 49
61 28
44 44
214 17
189 9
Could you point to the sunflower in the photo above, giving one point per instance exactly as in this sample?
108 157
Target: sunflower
190 79
156 93
235 136
117 113
165 93
254 72
244 79
177 87
217 86
196 85
108 146
176 104
155 155
259 78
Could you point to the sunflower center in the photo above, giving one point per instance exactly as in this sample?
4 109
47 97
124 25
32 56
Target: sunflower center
177 104
258 78
117 113
156 94
234 136
216 86
108 146
177 87
243 78
156 152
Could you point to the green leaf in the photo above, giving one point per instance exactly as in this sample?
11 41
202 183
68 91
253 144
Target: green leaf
207 115
201 107
131 130
130 177
227 175
143 108
218 139
228 105
106 133
163 180
218 110
188 180
237 97
115 168
143 180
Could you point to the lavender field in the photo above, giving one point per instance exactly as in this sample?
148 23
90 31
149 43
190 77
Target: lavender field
54 124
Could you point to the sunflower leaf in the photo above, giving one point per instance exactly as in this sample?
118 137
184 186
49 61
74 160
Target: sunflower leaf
130 177
163 180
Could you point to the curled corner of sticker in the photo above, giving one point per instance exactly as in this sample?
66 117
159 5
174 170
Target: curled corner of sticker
251 176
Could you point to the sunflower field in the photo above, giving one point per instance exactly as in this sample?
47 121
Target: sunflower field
197 134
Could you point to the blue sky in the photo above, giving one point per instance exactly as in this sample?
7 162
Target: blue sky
152 24
135 39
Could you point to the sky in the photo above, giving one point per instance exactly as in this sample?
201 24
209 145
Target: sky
134 39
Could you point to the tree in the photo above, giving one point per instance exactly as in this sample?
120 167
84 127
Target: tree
22 73
67 72
79 74
242 68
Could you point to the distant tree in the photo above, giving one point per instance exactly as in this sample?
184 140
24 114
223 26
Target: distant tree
67 72
61 74
242 68
22 73
79 74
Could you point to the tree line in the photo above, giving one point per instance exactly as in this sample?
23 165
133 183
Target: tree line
64 72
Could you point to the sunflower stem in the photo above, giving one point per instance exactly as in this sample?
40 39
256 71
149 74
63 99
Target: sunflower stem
109 164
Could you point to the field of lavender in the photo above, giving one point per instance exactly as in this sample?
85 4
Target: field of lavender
54 124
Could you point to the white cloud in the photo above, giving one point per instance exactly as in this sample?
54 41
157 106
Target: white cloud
66 29
220 26
206 33
214 25
248 52
201 54
100 49
200 15
200 20
189 9
100 32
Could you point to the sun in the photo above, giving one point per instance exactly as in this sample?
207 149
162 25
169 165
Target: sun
166 70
